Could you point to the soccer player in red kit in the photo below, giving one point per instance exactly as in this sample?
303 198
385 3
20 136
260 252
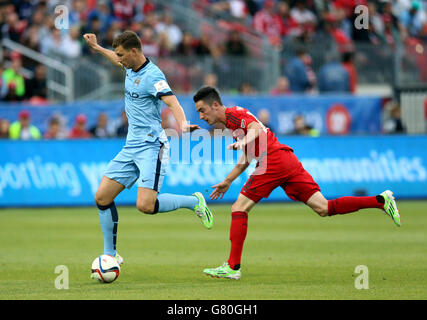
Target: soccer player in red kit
277 166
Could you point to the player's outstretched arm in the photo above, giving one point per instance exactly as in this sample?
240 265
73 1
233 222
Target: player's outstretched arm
221 188
177 111
109 54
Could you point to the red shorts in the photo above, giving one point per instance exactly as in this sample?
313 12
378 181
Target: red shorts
284 170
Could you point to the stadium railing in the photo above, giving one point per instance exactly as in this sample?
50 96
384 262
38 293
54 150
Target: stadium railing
376 65
261 52
413 102
410 86
67 79
60 76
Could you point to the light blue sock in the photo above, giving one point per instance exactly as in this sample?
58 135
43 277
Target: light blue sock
109 220
168 202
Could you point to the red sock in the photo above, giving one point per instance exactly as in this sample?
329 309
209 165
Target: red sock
351 204
238 230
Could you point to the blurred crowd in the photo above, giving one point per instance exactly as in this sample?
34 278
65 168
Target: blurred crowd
32 23
305 19
292 26
285 23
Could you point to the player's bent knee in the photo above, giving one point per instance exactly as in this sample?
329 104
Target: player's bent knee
321 211
145 208
102 200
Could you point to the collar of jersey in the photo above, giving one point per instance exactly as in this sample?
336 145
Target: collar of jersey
143 65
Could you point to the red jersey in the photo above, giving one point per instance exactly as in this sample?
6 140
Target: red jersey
238 119
276 166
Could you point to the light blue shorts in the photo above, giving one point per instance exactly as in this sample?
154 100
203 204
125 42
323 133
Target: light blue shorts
146 165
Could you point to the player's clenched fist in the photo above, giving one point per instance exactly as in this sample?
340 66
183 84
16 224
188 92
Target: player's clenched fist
90 39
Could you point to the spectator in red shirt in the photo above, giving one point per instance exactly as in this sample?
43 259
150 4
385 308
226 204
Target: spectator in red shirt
148 6
268 22
290 26
347 63
123 10
79 130
343 41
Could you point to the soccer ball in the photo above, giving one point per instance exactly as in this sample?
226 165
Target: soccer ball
105 268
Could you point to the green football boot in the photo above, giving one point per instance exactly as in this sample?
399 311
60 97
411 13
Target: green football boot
224 271
203 211
390 207
119 259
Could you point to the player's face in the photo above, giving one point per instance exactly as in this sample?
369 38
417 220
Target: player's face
126 57
206 112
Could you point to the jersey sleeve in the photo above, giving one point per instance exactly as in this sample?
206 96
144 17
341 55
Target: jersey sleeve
158 86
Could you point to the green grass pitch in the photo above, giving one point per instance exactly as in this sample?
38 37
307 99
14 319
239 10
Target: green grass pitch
290 253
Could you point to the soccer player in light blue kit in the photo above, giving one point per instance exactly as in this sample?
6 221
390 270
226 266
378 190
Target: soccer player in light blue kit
144 158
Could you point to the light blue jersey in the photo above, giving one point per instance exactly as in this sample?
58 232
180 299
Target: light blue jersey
143 89
144 158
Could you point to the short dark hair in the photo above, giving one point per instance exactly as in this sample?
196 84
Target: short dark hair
128 40
208 95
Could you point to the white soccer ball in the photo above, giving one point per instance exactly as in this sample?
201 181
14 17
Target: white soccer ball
105 268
